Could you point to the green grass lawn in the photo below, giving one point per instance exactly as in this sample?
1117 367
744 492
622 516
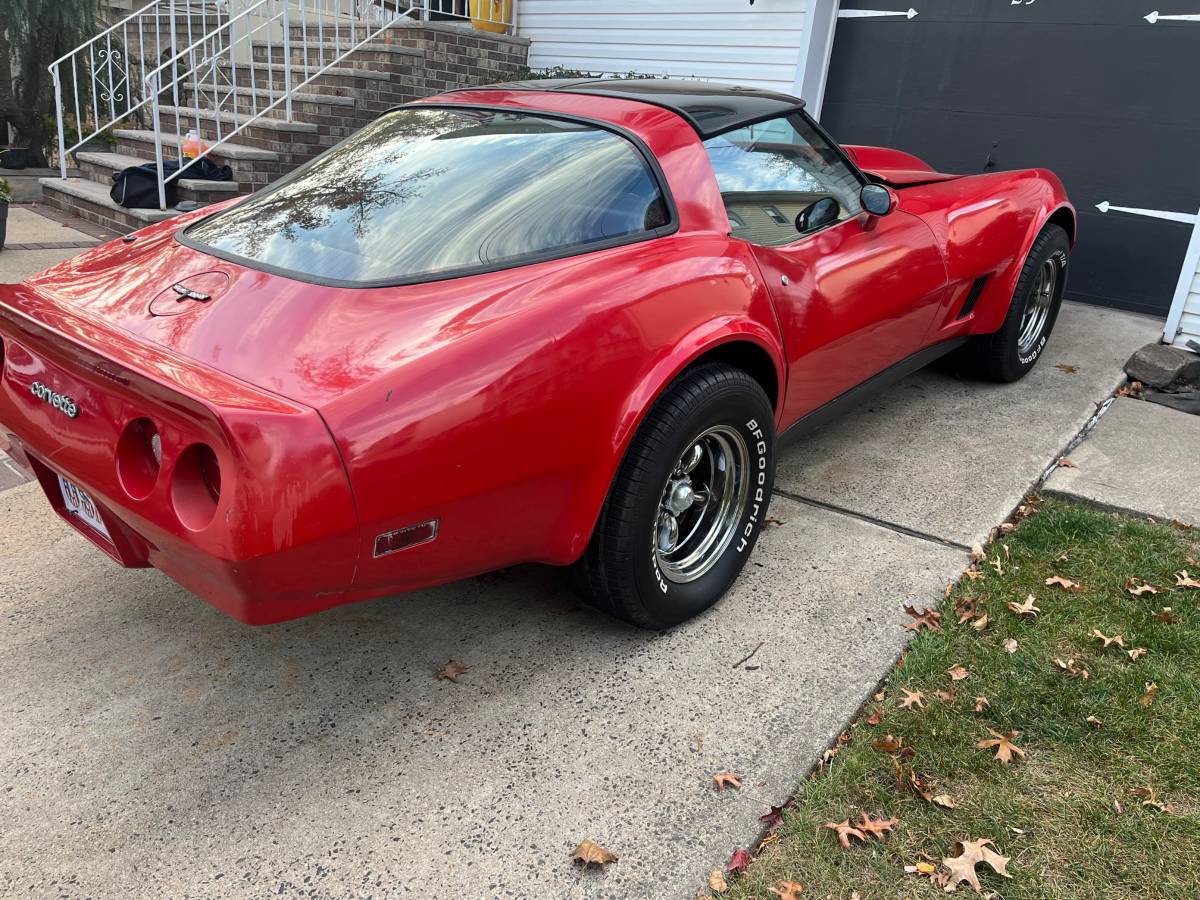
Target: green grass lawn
1067 813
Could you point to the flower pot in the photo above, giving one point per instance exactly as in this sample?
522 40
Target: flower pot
3 222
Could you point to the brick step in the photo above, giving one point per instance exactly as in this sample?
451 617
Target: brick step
374 91
306 106
390 58
100 167
293 142
253 167
90 201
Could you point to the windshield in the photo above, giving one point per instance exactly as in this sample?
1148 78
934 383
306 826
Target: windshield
423 193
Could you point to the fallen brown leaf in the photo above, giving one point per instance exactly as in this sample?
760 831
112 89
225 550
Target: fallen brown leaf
1148 697
1115 639
945 800
877 828
920 786
1066 584
980 623
1025 609
976 552
911 699
1010 645
774 816
967 608
1007 528
590 853
946 696
1070 370
1137 653
1005 748
888 744
716 882
845 831
1071 670
739 861
980 703
969 854
973 574
1138 587
723 780
1167 617
995 563
957 673
1149 797
875 716
787 890
1092 720
1183 579
926 618
451 670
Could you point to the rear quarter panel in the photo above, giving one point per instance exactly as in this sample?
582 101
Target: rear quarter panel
510 428
986 225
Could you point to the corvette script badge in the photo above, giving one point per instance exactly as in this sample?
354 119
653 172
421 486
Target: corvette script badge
61 402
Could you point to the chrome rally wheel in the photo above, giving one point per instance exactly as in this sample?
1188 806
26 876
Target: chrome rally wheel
1037 307
688 502
702 504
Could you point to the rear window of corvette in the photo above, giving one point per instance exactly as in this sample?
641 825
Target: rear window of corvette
432 192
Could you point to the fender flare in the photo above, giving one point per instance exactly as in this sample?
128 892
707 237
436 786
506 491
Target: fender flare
1037 225
693 346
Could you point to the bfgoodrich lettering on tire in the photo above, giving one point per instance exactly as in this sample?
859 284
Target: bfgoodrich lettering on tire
1009 354
688 501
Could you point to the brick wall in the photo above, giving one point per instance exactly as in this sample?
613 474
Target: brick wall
457 57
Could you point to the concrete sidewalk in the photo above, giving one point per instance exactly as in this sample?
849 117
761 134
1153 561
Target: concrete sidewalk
1141 458
154 748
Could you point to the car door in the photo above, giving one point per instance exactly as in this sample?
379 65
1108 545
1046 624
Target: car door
855 293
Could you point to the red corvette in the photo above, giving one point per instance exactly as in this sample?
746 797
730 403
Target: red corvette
558 321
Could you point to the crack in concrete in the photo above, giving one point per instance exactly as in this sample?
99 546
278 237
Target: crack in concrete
873 520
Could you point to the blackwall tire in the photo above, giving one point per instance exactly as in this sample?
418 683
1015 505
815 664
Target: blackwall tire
688 502
1010 353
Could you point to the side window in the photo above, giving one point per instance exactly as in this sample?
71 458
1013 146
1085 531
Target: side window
771 172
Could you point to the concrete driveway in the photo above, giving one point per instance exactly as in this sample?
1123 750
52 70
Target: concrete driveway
151 747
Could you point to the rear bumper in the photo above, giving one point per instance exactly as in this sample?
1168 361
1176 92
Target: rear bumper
283 585
281 538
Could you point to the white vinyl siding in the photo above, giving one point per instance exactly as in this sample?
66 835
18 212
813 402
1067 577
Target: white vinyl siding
717 40
1189 323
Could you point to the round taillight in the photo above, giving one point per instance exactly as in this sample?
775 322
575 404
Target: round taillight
139 457
196 486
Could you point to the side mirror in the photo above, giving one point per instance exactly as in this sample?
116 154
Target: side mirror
817 215
877 199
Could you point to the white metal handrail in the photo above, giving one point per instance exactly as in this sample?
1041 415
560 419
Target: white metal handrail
96 85
218 77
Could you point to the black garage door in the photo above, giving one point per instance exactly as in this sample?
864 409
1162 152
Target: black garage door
1088 88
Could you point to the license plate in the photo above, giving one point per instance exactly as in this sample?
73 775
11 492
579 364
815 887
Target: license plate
79 503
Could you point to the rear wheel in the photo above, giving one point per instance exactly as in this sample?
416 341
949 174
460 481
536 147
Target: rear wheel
1010 353
688 501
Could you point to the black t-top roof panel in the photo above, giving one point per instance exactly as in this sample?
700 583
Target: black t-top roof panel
708 106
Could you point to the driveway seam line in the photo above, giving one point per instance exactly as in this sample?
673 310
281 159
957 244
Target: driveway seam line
872 520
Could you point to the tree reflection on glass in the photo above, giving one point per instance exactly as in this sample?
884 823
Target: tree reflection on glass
426 191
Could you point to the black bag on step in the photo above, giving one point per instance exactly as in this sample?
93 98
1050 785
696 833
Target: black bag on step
137 187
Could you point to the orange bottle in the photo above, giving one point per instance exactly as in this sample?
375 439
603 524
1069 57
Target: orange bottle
193 144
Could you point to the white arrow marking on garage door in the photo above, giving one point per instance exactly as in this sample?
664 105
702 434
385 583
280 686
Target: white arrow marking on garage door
1185 218
867 13
1155 17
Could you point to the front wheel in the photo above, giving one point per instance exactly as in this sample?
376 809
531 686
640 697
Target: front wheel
1010 353
688 501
